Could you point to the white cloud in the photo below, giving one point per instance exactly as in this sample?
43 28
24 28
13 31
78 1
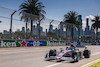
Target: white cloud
90 17
83 25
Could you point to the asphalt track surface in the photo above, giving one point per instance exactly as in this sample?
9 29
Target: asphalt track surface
34 57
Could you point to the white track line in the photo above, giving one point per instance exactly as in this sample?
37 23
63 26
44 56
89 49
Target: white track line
15 52
22 51
53 64
95 50
95 54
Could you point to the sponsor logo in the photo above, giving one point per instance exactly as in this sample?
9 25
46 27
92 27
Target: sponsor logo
23 43
8 44
36 43
66 58
55 43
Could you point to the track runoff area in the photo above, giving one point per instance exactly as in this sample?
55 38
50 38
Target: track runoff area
35 57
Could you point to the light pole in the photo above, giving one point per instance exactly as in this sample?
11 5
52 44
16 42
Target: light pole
11 25
0 21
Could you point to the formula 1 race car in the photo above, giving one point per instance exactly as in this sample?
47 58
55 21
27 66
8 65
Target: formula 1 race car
70 54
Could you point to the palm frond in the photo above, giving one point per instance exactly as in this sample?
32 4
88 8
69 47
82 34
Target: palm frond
71 17
32 7
96 23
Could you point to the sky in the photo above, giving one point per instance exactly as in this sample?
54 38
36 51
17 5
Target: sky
55 9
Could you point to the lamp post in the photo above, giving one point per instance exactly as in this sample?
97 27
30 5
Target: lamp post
11 25
0 21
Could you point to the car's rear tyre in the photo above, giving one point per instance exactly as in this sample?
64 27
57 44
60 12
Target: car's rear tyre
86 53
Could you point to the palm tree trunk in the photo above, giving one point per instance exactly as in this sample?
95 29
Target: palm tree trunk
31 28
26 30
79 32
72 33
96 33
66 32
39 30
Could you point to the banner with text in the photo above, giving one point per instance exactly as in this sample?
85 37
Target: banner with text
55 43
29 43
35 43
21 43
10 43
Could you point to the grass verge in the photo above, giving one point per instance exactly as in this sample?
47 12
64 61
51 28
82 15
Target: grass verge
96 64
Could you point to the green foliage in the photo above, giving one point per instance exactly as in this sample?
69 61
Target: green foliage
71 17
18 35
32 10
96 24
53 35
32 7
70 20
95 65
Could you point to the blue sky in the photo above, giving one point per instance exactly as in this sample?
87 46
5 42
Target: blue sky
55 9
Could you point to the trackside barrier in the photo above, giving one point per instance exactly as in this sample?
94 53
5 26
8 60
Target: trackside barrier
86 43
35 43
21 43
10 43
96 43
29 43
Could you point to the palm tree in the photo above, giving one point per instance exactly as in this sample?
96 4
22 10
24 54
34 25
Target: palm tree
70 20
96 25
32 10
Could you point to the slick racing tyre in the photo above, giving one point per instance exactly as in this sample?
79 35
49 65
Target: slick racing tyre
75 56
58 60
47 57
86 53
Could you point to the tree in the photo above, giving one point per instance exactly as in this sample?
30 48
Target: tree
32 10
70 20
19 35
96 24
53 35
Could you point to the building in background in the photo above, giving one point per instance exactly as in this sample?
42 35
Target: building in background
23 29
5 32
80 30
28 30
36 30
92 32
18 30
51 28
87 30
